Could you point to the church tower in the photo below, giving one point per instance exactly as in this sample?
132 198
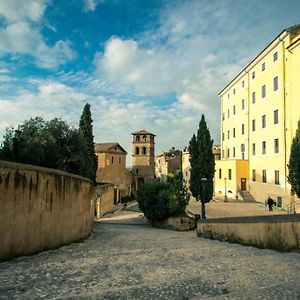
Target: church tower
143 159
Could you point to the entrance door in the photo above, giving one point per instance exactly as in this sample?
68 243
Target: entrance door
243 184
140 182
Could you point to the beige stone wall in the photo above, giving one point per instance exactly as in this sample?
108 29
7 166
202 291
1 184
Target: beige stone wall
42 209
104 199
274 232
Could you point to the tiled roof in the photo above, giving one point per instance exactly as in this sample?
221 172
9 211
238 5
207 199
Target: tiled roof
107 147
143 131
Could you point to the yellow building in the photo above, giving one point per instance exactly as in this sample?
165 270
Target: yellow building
112 169
260 109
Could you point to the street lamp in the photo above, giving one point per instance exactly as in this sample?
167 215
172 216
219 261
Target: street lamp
225 197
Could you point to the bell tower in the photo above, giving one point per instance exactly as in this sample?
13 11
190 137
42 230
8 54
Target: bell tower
143 159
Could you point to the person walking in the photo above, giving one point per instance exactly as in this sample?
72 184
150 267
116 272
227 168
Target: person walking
270 203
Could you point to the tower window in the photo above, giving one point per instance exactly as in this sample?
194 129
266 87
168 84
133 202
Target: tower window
137 138
112 159
144 150
144 138
137 150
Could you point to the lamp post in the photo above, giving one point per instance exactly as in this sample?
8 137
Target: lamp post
225 197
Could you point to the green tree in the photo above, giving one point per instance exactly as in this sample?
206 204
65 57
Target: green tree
86 127
202 165
50 144
294 164
179 196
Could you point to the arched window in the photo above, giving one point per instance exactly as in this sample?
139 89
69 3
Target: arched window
137 138
144 138
137 150
144 150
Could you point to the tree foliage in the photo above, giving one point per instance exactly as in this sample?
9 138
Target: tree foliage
161 200
294 164
50 144
86 127
202 165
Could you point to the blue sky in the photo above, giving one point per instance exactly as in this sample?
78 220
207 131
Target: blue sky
141 64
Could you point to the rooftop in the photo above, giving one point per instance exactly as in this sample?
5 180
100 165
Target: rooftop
143 131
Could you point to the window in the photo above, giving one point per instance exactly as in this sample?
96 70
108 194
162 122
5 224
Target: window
276 116
222 153
263 66
233 132
223 116
263 146
263 91
233 91
243 151
243 83
220 173
253 125
112 159
275 56
233 150
276 146
228 153
243 128
144 150
228 113
222 136
275 83
253 175
234 109
137 171
263 121
119 160
228 96
276 177
229 174
253 97
264 176
144 138
243 104
253 74
253 149
137 150
228 135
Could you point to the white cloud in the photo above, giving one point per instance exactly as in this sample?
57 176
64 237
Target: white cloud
16 10
22 38
90 5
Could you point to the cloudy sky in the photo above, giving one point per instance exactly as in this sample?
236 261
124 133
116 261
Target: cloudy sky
141 64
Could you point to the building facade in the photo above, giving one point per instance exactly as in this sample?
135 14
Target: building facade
143 164
112 169
260 109
167 162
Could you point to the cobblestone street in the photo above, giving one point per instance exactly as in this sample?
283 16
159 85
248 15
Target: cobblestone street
125 261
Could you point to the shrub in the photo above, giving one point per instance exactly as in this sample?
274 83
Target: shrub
161 200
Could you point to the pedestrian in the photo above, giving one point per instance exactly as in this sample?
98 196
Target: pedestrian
270 203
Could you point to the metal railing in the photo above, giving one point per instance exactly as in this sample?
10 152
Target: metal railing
292 207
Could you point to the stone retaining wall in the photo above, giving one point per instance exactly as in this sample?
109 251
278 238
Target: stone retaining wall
280 232
41 209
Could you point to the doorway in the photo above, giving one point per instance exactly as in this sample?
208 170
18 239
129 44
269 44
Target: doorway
243 184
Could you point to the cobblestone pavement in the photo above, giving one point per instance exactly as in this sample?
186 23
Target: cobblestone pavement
220 209
122 260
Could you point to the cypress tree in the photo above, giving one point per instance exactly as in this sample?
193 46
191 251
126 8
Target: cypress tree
202 165
86 128
294 164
